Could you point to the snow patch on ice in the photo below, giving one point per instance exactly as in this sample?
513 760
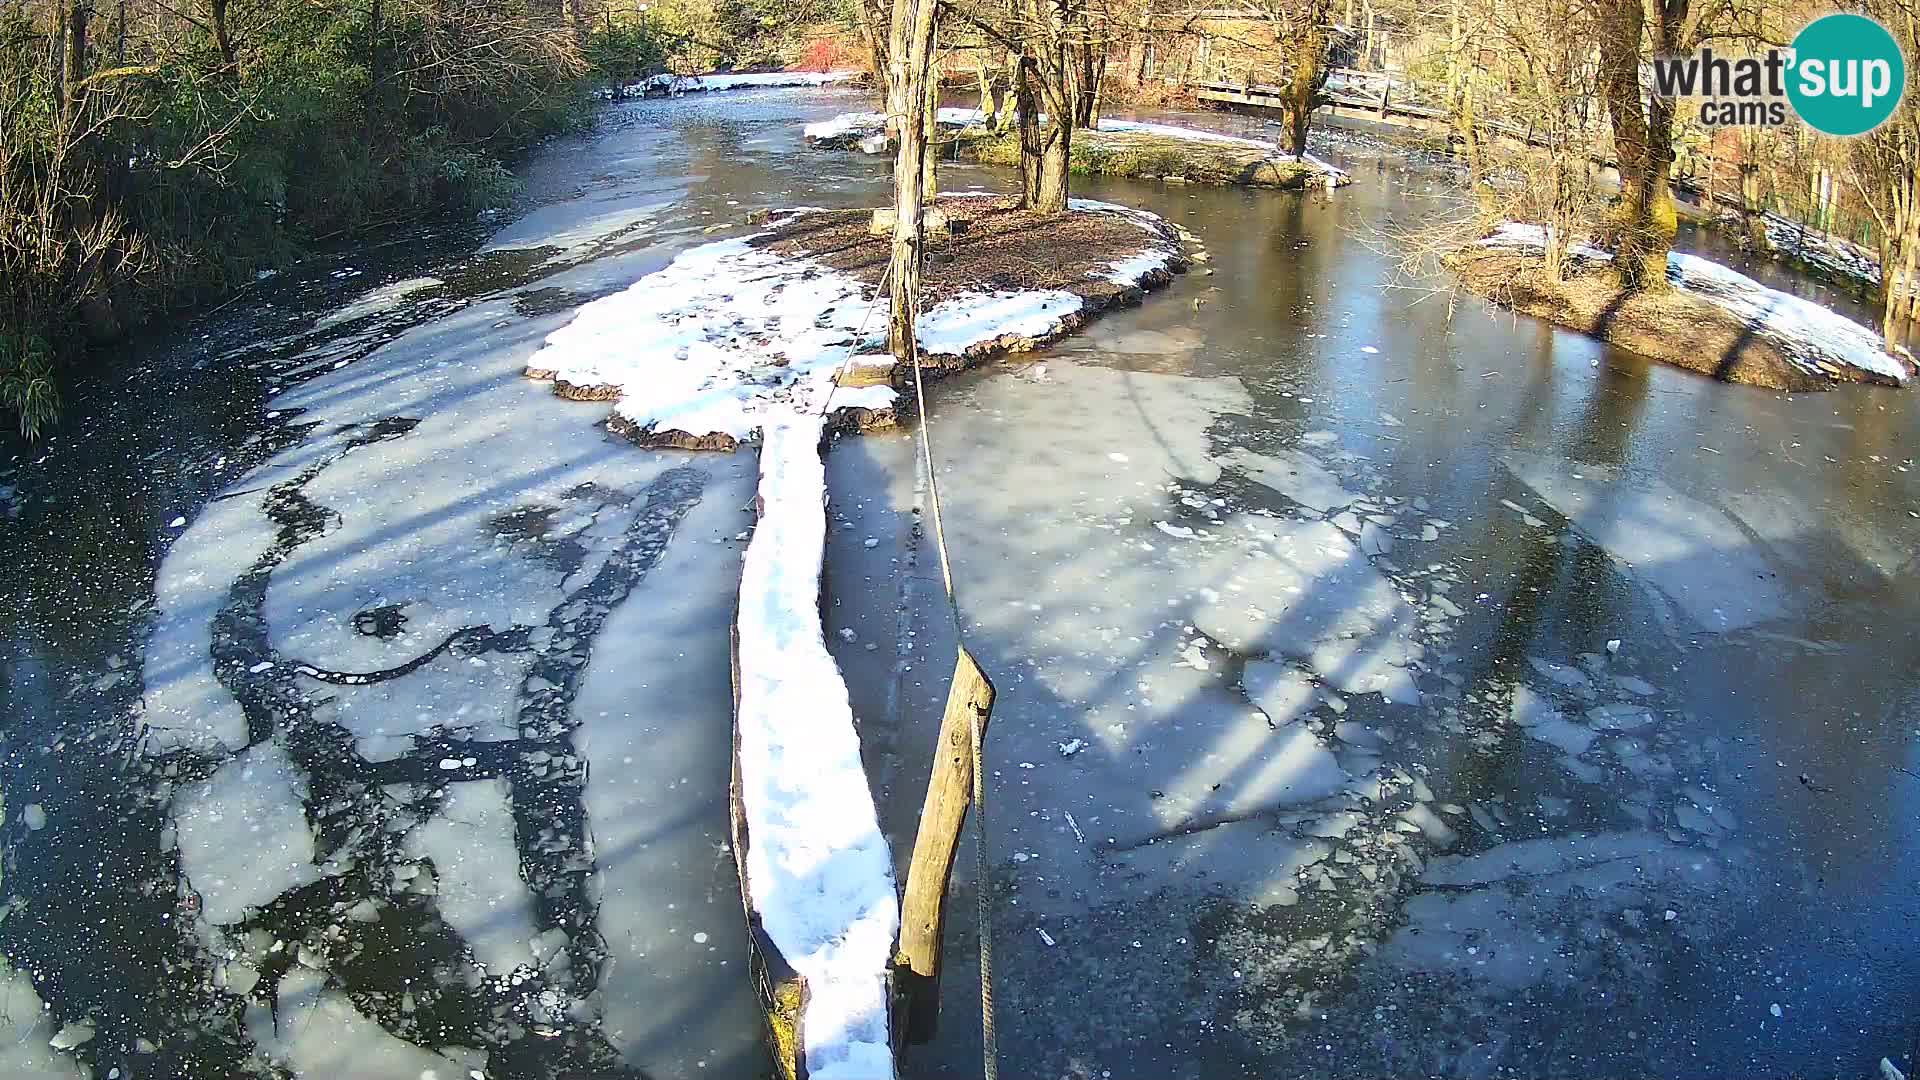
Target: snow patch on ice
730 337
723 339
952 327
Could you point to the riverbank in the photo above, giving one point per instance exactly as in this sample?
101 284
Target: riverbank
1712 320
1131 149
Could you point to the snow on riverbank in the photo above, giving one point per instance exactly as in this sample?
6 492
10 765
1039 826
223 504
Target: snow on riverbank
731 336
1811 337
1834 254
668 83
861 126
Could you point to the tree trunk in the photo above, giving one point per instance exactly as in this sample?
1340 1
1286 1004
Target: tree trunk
376 29
74 63
930 125
222 37
1055 161
1645 221
1900 271
1308 64
1027 116
910 48
872 32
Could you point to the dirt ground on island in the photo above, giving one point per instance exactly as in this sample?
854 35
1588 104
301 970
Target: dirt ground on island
993 246
1669 325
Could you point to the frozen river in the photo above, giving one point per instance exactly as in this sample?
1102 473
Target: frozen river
1383 690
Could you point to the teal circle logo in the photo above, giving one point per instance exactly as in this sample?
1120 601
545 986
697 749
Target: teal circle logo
1847 74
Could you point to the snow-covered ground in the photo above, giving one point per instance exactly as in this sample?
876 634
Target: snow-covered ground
731 336
1812 337
668 83
867 126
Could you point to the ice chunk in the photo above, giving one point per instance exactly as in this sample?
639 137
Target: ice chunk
471 844
1282 691
243 833
1295 474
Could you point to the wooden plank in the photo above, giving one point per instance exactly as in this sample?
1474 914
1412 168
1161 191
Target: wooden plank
949 793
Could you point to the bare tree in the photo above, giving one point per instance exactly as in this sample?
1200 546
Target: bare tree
1884 167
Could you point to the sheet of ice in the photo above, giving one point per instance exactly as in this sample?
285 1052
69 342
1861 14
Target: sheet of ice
818 868
183 704
655 709
25 1027
384 298
243 834
1296 474
683 84
1690 552
1306 592
1804 332
319 1035
1577 888
471 844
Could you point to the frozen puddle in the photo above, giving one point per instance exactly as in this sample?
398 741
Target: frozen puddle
1693 555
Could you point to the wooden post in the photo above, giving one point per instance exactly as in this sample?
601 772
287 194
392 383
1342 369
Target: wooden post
916 966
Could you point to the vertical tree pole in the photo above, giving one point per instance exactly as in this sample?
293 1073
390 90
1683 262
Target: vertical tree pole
909 76
970 698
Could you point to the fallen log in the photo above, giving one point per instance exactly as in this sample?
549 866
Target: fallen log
816 876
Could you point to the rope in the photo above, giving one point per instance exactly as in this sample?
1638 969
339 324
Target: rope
983 907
